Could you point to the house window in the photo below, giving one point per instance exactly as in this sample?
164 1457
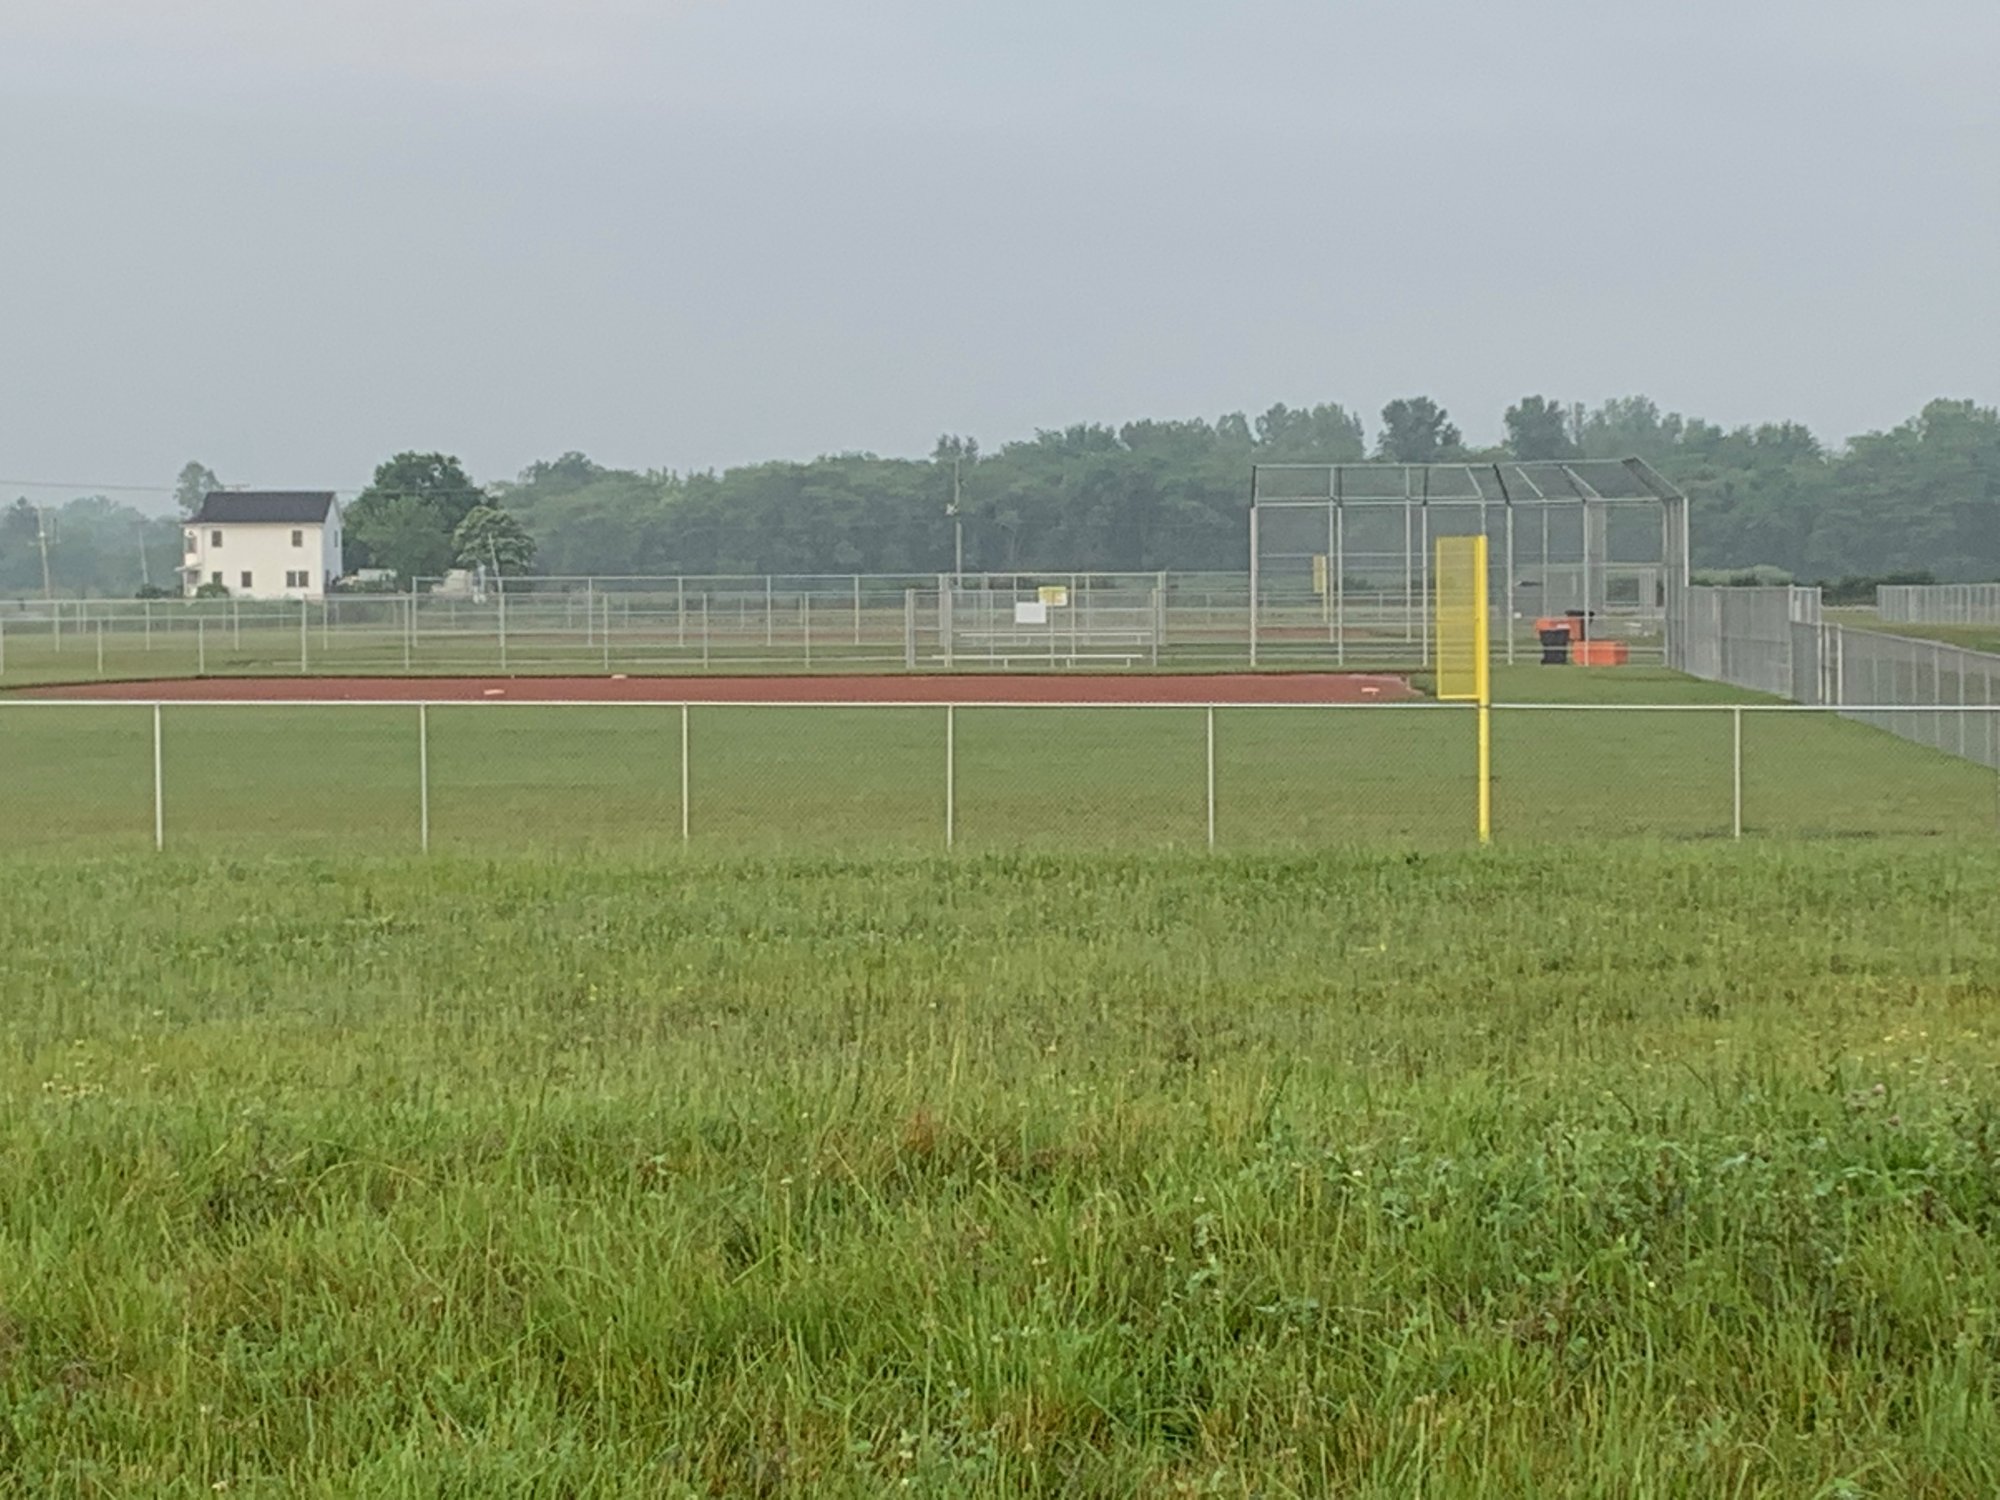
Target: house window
298 539
215 539
246 581
191 540
216 579
296 580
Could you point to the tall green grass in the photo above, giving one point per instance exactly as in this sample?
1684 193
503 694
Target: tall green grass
1638 1171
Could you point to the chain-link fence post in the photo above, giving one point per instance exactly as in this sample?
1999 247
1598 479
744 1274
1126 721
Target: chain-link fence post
423 778
1211 776
684 750
950 775
159 786
1736 772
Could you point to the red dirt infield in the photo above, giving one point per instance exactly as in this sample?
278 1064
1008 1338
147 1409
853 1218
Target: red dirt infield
1287 687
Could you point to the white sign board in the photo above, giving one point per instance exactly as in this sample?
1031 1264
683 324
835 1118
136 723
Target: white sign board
1035 613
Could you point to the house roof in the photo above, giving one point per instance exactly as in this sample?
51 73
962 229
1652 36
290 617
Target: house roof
270 507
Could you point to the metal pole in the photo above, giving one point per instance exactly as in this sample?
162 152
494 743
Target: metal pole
684 762
768 638
1736 772
704 632
200 646
159 787
3 648
235 624
1508 562
409 629
501 596
100 648
957 527
857 609
1211 776
950 776
424 777
604 635
1409 571
304 627
909 630
680 614
1253 570
149 624
1340 583
806 626
1424 564
1588 623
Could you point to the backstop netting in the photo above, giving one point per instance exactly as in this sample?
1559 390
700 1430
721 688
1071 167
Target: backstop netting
1342 555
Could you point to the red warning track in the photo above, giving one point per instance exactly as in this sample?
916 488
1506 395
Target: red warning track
1289 687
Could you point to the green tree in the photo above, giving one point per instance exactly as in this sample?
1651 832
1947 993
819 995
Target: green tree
1538 428
192 485
1416 430
405 519
489 537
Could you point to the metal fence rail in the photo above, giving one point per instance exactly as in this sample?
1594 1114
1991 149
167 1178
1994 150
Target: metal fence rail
825 623
1938 603
1776 640
231 778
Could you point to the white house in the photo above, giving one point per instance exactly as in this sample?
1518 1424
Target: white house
263 544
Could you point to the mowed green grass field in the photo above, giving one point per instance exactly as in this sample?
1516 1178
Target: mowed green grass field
254 780
1633 1170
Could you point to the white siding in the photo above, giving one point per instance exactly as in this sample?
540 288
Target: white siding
265 552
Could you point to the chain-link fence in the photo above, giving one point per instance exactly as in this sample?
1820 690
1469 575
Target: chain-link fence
1747 637
597 626
1776 640
233 777
1341 555
830 623
1939 603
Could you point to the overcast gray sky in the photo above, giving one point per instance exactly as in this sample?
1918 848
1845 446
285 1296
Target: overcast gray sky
288 239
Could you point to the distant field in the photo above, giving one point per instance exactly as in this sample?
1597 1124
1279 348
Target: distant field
840 780
1519 1173
1971 637
34 653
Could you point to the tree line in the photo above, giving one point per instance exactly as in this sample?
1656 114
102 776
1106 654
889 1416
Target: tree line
1922 498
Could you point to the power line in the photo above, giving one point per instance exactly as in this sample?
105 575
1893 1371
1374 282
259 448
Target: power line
66 484
85 487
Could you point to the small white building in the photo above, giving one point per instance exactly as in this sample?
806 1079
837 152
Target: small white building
263 544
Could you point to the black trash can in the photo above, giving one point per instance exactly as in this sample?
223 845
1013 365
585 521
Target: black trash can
1555 647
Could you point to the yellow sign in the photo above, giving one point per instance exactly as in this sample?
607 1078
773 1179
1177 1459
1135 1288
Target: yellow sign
1319 573
1054 595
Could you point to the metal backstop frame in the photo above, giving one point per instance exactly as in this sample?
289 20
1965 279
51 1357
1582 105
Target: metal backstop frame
1340 554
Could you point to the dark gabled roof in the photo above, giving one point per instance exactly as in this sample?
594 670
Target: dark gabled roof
272 507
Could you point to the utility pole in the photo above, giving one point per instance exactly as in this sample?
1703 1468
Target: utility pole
957 527
42 539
